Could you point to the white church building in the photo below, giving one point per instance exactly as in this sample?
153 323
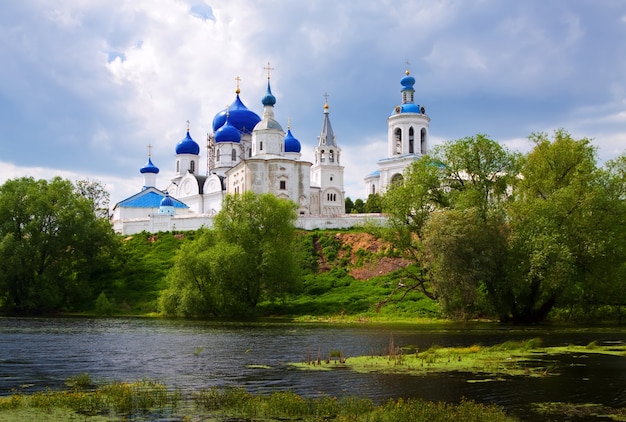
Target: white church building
247 152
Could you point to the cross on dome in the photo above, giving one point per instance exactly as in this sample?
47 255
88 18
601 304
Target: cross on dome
268 68
238 79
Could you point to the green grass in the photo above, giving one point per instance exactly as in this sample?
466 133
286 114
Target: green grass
512 358
149 400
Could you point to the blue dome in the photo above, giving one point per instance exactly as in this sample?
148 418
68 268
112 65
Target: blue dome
269 99
149 168
291 143
407 82
410 108
227 133
187 146
167 201
240 117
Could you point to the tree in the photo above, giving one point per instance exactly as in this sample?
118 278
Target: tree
349 205
374 203
443 215
359 206
249 256
497 234
567 228
97 194
51 246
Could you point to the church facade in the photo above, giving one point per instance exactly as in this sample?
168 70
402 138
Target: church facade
248 152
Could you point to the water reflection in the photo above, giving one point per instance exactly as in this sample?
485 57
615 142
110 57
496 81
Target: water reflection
39 353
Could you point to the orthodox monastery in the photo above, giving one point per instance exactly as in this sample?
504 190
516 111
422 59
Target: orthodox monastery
248 152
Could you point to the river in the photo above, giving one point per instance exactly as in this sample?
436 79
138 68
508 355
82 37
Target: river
36 353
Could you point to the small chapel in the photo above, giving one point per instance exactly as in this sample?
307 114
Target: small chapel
248 152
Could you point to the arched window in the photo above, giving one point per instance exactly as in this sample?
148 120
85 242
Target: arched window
192 166
322 158
261 146
398 139
331 156
373 189
411 140
396 179
177 166
233 155
217 158
423 145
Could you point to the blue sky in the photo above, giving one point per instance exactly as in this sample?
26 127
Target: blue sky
85 86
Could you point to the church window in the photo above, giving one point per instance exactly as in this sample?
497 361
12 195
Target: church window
192 166
396 179
322 156
331 197
411 141
261 146
217 158
423 141
331 178
250 153
177 166
373 189
283 185
233 155
398 140
331 156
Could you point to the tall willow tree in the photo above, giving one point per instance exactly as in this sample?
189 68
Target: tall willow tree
494 233
567 224
249 256
52 244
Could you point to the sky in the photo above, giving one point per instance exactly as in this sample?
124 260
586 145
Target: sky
87 85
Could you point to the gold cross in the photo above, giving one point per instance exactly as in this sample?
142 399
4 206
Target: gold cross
238 79
187 125
268 68
149 150
326 96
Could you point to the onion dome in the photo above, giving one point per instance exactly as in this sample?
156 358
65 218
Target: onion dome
167 201
187 146
291 143
269 99
407 81
240 117
228 132
149 168
410 108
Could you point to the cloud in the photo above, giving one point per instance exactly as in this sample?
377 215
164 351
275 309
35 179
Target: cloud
85 86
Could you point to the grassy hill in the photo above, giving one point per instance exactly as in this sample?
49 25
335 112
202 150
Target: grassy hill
345 275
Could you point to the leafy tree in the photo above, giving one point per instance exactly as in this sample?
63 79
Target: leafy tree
496 233
249 256
374 203
567 228
359 206
97 194
51 246
461 183
349 205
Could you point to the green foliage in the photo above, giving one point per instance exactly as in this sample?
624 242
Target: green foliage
359 206
374 203
250 255
104 305
52 246
349 205
498 234
139 270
